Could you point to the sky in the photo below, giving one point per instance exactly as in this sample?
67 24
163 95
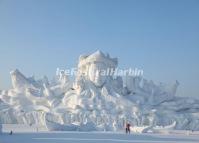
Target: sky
159 36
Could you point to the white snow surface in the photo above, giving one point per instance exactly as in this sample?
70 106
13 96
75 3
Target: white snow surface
96 103
96 137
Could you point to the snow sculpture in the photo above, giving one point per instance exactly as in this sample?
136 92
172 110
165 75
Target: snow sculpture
95 67
96 100
18 80
150 92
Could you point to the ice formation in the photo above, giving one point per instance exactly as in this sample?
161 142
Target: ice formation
95 102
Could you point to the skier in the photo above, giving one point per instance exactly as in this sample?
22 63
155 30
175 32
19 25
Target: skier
11 132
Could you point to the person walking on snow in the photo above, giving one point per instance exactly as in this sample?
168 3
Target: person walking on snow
128 128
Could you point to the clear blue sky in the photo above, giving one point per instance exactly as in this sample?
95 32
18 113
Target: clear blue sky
159 36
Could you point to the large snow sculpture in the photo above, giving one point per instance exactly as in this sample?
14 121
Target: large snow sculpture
96 100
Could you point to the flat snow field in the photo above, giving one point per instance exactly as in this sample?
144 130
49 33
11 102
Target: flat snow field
96 137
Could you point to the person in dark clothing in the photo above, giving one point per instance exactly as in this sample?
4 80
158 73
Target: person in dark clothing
128 128
128 125
11 132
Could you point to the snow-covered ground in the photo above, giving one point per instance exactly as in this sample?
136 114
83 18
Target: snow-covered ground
39 134
96 137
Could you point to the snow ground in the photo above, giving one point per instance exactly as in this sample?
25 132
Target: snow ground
96 137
